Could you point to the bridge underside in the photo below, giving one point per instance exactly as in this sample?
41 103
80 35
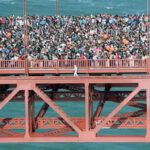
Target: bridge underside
75 109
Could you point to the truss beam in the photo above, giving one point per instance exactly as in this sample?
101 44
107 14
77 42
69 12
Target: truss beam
85 128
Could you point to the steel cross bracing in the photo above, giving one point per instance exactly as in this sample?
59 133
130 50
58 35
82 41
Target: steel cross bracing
129 94
116 96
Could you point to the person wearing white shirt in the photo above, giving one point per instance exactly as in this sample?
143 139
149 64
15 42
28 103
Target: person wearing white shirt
75 71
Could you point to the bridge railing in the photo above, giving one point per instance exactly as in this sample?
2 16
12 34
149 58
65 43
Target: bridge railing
70 63
130 63
42 64
103 63
80 63
11 64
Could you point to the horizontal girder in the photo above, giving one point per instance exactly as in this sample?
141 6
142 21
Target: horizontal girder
48 123
55 132
117 96
74 80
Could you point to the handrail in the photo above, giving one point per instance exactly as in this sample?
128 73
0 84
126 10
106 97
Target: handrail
82 64
12 64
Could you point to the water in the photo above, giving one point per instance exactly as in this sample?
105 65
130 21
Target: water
76 146
72 7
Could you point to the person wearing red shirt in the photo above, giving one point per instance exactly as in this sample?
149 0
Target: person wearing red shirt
19 59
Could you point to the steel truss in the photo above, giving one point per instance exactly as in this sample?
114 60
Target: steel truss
64 128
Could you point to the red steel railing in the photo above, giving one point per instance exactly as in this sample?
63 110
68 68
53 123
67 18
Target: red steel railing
83 64
8 64
103 63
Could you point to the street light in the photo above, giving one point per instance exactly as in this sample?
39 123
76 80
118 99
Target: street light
148 34
25 31
57 9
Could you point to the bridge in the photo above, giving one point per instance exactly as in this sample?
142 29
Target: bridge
65 108
96 107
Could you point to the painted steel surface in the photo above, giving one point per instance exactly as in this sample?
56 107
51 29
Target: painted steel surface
65 128
83 66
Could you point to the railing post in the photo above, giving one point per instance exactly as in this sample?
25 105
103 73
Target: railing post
87 67
117 65
148 65
57 65
26 67
0 64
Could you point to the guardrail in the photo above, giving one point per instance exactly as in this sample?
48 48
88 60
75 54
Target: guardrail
8 64
103 63
82 64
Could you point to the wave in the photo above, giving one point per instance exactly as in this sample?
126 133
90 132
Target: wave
109 7
7 1
85 1
12 3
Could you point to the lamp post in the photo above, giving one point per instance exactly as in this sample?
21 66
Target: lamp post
57 8
148 31
25 31
25 38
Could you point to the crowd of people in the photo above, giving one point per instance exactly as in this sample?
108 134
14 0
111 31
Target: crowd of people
68 37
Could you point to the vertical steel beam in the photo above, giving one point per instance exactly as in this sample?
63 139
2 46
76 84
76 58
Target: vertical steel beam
88 133
148 113
91 106
87 111
27 114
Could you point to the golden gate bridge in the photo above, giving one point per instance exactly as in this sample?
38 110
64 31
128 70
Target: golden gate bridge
100 77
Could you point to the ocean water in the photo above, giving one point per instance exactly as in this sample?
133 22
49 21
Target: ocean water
76 8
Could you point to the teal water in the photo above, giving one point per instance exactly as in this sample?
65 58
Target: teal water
71 7
76 146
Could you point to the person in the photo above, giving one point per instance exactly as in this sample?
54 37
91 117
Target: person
82 37
75 71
